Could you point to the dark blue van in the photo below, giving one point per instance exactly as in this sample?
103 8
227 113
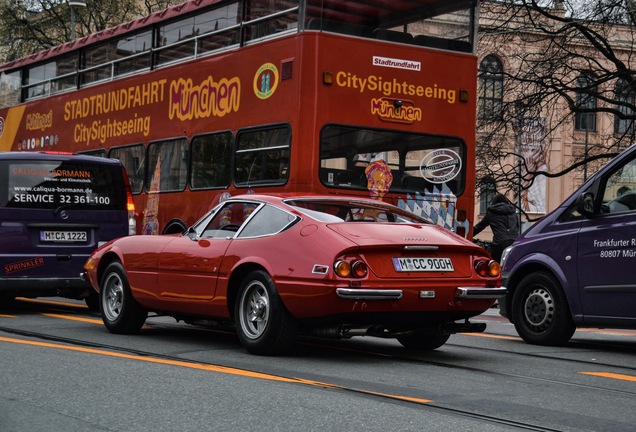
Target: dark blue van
576 267
55 209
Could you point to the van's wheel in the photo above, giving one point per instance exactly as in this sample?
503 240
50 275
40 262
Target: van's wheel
540 311
120 311
263 324
423 342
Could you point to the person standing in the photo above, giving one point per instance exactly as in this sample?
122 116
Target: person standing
502 218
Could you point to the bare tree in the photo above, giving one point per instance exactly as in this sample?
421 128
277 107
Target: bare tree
29 26
566 62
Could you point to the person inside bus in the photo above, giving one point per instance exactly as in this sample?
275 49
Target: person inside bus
502 218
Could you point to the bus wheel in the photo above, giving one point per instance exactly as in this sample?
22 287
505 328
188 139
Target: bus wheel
120 311
263 324
423 342
540 311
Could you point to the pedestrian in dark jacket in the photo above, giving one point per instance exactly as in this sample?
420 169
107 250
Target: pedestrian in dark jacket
504 223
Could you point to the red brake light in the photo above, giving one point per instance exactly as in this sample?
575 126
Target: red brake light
487 268
359 269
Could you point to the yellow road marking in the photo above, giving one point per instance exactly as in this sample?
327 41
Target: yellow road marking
7 316
606 331
73 318
485 335
206 367
30 300
621 377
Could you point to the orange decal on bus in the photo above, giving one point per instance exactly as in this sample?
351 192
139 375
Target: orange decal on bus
10 126
393 87
395 111
37 121
117 100
210 98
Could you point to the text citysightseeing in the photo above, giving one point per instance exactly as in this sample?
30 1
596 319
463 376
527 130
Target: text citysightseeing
393 87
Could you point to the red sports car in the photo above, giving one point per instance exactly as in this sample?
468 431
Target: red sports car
279 265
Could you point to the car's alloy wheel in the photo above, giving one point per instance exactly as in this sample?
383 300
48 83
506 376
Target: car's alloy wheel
540 311
120 312
254 310
263 324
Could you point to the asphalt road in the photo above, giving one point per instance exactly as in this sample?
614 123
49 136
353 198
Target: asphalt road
62 371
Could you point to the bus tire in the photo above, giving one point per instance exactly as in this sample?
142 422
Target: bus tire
423 342
120 311
540 311
263 324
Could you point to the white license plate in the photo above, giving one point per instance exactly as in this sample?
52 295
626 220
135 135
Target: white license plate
423 264
63 236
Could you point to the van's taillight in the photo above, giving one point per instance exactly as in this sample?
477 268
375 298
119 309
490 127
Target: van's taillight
130 206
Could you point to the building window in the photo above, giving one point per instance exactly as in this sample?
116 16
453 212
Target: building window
625 97
487 191
490 89
584 120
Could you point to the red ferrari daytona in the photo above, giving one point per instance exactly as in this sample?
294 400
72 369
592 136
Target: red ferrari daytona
277 266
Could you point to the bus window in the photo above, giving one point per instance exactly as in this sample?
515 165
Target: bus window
10 88
167 165
265 18
134 52
133 158
262 156
211 161
417 163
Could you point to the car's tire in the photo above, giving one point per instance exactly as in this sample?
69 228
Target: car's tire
120 311
540 311
423 342
92 301
263 324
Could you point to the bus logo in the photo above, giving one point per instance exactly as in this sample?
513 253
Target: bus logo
265 81
440 166
396 111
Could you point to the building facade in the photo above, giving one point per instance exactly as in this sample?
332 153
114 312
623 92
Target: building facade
555 74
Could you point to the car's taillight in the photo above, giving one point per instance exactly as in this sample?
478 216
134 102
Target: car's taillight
487 268
130 206
356 268
359 269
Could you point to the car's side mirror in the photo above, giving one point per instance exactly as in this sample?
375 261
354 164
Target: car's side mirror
586 204
190 232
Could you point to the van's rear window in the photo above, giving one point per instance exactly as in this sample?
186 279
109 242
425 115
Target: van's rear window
61 185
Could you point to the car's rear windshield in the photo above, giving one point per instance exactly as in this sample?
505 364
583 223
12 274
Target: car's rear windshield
61 184
352 211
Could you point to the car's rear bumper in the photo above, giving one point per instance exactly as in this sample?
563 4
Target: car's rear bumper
396 294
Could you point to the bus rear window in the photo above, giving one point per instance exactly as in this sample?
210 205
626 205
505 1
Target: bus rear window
412 162
32 184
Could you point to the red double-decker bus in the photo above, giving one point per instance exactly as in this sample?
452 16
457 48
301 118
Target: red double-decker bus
215 98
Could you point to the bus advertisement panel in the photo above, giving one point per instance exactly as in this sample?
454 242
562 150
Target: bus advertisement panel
249 97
